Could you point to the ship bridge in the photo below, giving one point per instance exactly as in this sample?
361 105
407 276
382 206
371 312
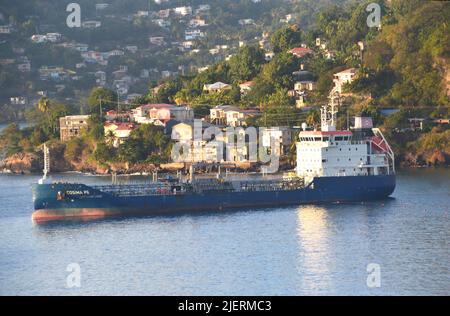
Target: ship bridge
329 153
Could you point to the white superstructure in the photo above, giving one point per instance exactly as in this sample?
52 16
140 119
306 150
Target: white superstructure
329 153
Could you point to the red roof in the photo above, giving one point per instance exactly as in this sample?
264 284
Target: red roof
122 125
300 51
126 126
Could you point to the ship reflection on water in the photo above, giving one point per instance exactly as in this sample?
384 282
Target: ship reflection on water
314 250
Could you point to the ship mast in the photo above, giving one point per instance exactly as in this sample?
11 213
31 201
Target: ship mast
328 113
46 164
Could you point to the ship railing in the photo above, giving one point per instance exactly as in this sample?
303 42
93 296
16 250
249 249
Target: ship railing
213 186
138 190
272 185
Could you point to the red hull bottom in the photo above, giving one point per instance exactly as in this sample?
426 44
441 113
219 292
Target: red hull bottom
85 213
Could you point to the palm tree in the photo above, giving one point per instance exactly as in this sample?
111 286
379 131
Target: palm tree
43 105
110 138
159 140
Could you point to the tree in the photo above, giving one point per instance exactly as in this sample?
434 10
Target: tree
95 128
285 38
274 75
45 116
74 149
9 140
104 97
43 105
147 143
246 64
104 152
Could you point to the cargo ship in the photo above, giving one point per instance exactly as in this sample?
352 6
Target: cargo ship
350 165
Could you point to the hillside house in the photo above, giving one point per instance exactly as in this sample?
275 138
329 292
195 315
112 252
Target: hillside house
300 51
71 126
216 87
307 85
118 132
160 114
342 78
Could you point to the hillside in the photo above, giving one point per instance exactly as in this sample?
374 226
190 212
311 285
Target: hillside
403 67
125 45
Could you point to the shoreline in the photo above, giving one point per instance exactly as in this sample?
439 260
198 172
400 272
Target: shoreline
95 174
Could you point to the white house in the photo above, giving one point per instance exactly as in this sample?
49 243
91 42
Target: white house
186 10
306 85
53 37
193 34
230 115
216 87
6 29
282 135
343 77
246 21
118 132
160 114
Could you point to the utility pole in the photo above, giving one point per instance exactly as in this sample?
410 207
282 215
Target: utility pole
118 104
348 121
101 110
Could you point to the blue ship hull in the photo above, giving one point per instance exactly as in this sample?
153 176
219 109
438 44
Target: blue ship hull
83 201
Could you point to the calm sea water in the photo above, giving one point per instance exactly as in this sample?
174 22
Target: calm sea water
302 250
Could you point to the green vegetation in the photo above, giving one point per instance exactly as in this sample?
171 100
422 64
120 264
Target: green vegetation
102 99
403 65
